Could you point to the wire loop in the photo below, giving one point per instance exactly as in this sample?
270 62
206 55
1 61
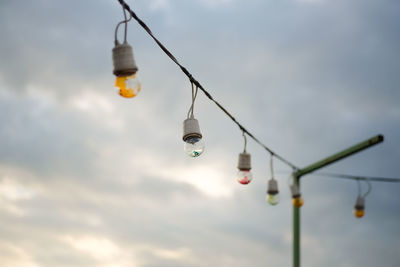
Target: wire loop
271 166
126 26
194 95
245 141
369 188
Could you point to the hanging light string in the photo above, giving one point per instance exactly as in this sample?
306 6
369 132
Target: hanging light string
194 95
126 26
359 188
271 166
199 86
245 142
369 188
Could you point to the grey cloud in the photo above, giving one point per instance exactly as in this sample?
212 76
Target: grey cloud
308 79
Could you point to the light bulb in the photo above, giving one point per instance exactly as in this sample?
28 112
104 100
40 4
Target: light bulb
298 202
272 199
125 70
194 146
272 192
129 86
358 213
244 176
359 207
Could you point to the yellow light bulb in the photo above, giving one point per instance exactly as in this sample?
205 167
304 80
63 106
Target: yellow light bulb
129 86
298 202
358 213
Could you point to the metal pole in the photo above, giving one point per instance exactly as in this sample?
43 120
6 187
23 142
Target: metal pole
296 229
340 155
313 167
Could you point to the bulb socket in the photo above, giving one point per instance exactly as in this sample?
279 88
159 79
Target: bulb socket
272 187
244 162
360 203
191 128
295 191
124 63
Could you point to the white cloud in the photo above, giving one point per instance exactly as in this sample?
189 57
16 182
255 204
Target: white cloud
99 108
178 254
106 252
14 256
11 190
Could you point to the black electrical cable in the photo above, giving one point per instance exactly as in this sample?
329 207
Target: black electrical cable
194 81
361 178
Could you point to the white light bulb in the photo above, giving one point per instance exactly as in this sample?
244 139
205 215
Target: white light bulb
194 146
272 199
272 192
244 176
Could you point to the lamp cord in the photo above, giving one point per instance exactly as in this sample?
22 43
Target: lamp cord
271 166
126 26
194 95
245 141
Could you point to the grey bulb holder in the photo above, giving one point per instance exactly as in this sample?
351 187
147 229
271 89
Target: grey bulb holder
360 203
272 187
244 162
123 60
191 129
295 191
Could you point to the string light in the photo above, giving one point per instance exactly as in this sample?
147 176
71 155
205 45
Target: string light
272 188
199 86
125 69
297 200
194 145
124 64
244 176
359 207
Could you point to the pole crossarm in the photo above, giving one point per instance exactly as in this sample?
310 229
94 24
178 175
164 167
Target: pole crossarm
313 167
340 155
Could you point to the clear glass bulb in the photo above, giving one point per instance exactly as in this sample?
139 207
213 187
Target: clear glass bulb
298 202
272 199
358 213
194 146
244 176
129 86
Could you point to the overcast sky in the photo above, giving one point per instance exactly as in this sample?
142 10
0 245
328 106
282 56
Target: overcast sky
89 179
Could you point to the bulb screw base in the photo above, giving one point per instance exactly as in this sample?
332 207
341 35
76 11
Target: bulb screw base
191 128
244 162
360 203
124 63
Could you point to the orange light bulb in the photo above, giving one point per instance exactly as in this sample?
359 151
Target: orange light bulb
358 213
298 202
129 86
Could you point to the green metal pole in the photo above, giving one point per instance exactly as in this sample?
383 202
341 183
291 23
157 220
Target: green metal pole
340 155
296 229
313 167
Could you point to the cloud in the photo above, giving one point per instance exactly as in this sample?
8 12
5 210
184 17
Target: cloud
90 179
215 3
